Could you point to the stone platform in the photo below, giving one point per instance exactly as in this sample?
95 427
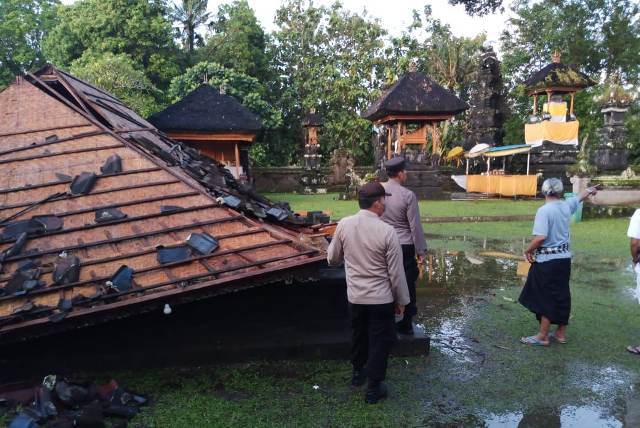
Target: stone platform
430 182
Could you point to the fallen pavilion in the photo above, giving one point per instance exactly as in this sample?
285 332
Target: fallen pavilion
100 214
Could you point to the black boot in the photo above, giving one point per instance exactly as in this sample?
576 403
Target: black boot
376 391
358 377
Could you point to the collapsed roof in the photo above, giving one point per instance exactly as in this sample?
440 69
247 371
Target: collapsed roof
102 216
415 94
205 109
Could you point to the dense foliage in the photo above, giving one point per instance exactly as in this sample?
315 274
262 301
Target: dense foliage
150 53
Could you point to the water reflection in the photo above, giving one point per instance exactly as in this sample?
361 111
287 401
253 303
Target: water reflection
568 417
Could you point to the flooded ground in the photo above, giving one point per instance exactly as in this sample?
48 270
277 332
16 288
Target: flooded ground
477 374
468 304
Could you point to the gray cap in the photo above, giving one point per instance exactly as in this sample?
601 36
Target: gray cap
395 164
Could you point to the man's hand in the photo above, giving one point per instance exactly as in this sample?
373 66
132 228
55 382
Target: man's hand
420 258
399 309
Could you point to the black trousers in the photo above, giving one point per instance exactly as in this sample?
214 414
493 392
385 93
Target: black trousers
411 272
373 335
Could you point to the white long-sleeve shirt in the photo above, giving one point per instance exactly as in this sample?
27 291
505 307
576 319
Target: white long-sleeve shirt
373 260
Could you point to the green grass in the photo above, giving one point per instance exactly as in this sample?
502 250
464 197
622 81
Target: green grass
339 209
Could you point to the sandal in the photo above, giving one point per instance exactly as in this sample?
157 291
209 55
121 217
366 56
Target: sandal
533 340
552 336
634 349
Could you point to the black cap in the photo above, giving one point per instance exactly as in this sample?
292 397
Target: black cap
395 165
373 189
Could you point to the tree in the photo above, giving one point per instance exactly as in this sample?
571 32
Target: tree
237 41
331 60
119 75
479 7
138 28
190 15
23 23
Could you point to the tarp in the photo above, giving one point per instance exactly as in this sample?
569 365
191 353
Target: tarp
507 150
505 185
559 133
477 150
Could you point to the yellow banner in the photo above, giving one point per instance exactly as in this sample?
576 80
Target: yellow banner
557 132
505 185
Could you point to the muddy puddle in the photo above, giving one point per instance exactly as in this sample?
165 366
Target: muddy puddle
461 277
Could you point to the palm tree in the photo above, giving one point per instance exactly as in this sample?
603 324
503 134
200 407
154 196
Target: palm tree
190 15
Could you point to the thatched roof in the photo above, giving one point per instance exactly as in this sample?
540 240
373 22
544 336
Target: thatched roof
415 94
312 119
205 109
558 76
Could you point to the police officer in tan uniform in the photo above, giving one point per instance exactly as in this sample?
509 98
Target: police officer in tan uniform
376 287
402 213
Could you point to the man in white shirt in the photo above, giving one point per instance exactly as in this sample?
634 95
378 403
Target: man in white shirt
376 287
634 245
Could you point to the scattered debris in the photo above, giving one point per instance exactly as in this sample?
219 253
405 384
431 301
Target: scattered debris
170 208
122 280
203 243
60 402
172 254
113 165
83 183
67 271
104 215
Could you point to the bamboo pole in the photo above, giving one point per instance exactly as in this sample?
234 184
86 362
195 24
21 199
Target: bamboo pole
535 104
467 171
398 140
388 142
528 162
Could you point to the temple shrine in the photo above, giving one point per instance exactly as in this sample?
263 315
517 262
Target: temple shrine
215 123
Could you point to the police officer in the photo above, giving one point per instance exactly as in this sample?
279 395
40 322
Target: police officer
402 213
376 287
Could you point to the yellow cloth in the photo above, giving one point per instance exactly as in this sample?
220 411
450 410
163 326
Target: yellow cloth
555 109
559 133
505 185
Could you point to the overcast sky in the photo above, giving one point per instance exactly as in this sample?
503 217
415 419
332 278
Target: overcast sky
395 15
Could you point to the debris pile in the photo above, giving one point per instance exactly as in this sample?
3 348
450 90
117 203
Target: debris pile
59 402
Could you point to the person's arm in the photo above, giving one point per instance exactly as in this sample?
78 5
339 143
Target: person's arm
413 217
589 191
634 245
535 243
398 280
335 253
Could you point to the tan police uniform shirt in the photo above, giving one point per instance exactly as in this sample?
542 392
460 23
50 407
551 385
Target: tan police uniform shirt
372 258
402 213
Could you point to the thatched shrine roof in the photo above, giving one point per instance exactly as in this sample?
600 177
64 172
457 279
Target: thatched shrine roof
205 109
312 119
418 96
102 216
557 77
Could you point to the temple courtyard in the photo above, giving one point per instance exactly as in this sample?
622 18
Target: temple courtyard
477 373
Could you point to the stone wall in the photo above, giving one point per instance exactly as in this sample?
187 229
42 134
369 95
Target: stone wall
289 178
